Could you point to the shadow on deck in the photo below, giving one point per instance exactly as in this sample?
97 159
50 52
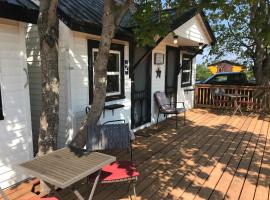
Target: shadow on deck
214 156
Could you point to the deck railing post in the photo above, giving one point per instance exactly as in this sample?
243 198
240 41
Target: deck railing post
203 98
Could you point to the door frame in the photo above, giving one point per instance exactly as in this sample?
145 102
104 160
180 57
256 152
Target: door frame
148 71
177 70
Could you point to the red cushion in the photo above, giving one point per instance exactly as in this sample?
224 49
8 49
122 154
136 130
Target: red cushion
118 170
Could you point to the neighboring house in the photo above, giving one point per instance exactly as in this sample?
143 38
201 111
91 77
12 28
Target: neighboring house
134 73
15 120
226 66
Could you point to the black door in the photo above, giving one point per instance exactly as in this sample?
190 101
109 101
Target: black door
172 71
141 88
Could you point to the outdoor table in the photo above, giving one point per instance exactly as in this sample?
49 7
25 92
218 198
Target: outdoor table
66 166
235 97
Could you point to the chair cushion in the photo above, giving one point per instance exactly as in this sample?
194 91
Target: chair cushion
161 98
117 171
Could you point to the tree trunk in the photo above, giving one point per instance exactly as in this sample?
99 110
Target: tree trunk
258 13
112 16
48 29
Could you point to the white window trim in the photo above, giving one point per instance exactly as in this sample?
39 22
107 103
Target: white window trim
187 71
95 50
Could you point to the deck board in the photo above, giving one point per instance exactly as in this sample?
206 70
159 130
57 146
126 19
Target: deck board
203 171
204 187
214 156
262 188
220 189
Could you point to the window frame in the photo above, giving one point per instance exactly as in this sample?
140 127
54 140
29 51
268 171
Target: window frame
94 44
108 94
190 58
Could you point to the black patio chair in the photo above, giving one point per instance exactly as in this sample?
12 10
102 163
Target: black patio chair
167 108
113 135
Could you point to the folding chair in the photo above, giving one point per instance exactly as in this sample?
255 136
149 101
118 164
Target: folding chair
108 136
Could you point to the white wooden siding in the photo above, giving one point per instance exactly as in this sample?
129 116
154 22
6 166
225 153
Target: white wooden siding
194 30
34 70
34 73
79 90
158 84
16 134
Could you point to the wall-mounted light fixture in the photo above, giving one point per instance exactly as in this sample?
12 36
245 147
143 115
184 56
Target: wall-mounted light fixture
175 39
200 45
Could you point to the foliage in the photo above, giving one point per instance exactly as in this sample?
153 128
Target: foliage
242 28
147 28
250 74
153 19
202 72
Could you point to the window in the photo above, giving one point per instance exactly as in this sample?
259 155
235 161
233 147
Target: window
186 70
113 72
237 78
219 79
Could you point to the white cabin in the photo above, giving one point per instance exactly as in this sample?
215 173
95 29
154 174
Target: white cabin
134 75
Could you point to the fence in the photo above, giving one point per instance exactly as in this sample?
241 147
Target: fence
256 98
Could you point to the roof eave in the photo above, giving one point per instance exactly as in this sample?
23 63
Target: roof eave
90 28
208 27
18 13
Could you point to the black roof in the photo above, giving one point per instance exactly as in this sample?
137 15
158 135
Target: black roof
86 15
20 10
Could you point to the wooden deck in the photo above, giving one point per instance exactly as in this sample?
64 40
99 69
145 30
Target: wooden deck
214 156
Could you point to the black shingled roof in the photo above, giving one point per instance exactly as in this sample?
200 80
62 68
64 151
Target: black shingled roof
20 10
86 15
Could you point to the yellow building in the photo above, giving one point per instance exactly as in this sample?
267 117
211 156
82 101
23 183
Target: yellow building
226 66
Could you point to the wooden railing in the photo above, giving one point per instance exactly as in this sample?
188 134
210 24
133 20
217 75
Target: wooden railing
257 98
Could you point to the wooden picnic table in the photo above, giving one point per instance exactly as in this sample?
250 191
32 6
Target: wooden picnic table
64 167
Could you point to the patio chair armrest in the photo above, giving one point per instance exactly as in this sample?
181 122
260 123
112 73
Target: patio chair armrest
160 107
112 121
132 135
182 102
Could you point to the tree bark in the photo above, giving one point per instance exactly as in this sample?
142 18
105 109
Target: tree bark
112 16
259 15
48 29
